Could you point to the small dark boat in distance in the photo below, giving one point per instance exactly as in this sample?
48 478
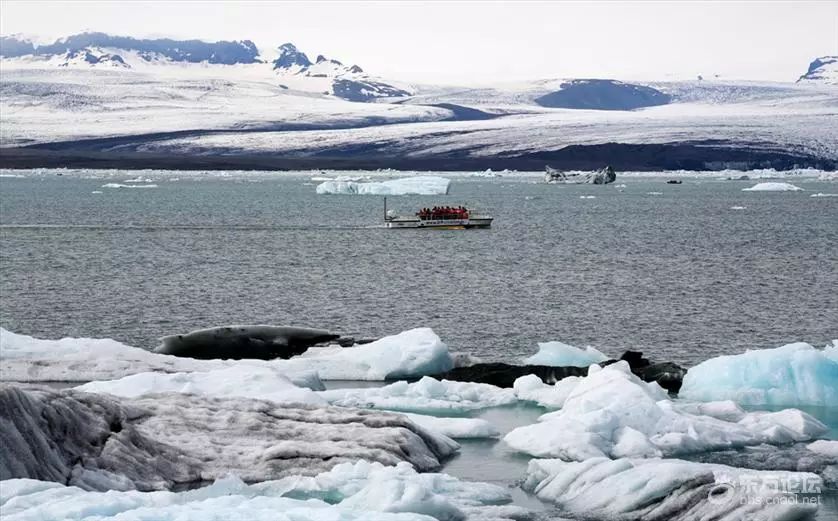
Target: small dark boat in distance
674 182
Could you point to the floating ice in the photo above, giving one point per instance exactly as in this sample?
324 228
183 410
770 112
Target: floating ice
669 490
531 388
587 197
613 413
738 207
428 395
794 374
558 354
773 187
117 185
357 491
821 194
99 442
422 185
824 447
411 353
456 428
244 381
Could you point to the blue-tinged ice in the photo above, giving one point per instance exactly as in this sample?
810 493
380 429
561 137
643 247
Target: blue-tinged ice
795 374
420 185
558 354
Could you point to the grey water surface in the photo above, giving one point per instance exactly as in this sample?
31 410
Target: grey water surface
680 274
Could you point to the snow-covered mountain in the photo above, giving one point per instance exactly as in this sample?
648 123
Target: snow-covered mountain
822 70
105 94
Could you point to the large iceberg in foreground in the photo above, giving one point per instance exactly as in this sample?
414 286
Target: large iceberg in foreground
412 353
165 441
558 354
794 374
357 491
613 413
670 490
428 396
420 185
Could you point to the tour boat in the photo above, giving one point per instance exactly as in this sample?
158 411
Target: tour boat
439 218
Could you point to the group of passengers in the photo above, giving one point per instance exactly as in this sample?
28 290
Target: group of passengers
443 212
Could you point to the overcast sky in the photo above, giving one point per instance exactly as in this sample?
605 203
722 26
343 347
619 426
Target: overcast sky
473 42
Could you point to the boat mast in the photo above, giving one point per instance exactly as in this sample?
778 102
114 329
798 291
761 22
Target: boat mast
385 207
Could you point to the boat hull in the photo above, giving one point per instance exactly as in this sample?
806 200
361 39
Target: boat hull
440 224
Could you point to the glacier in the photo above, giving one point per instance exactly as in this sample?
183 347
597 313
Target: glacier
355 491
412 353
669 490
170 440
791 375
420 185
613 413
559 354
427 396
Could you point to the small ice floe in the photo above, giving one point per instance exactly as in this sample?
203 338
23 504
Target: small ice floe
558 354
139 180
420 185
487 173
620 186
427 396
587 197
96 192
791 375
738 207
671 489
456 428
118 185
654 193
11 176
531 197
773 187
821 194
613 413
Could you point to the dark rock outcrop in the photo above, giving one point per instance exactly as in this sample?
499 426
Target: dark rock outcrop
667 374
238 342
290 56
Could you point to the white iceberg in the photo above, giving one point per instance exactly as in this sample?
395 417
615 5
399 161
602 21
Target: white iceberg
118 185
821 194
613 413
827 448
773 187
412 353
532 388
455 428
262 382
172 440
558 354
427 396
794 374
670 490
420 185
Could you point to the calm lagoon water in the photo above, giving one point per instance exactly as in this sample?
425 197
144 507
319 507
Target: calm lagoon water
680 275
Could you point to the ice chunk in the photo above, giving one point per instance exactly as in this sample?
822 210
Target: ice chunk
171 440
794 374
118 185
412 353
531 388
773 187
824 447
669 490
613 413
428 395
558 354
420 185
266 383
456 428
821 194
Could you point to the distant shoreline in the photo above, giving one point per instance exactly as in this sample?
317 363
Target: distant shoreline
695 156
